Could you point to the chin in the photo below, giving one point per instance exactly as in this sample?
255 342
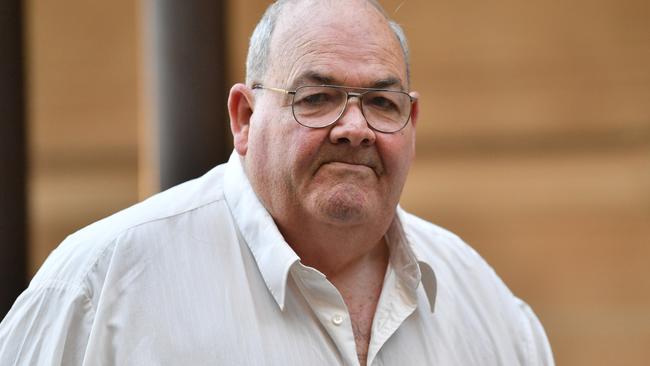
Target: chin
344 205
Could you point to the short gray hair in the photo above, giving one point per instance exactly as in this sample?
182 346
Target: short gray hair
257 60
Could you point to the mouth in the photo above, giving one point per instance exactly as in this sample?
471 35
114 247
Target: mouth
344 165
352 166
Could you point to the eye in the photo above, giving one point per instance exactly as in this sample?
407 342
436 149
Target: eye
315 99
381 102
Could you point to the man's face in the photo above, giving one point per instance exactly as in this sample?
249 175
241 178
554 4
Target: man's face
345 174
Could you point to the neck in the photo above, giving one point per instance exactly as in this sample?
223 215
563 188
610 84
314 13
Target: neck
338 250
354 260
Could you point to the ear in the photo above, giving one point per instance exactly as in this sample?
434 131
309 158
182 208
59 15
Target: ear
415 112
415 108
240 110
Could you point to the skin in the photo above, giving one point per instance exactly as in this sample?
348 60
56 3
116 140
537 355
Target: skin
332 191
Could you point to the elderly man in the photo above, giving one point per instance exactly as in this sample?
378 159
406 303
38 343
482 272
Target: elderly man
295 252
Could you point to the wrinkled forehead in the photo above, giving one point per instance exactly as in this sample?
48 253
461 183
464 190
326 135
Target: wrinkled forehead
333 38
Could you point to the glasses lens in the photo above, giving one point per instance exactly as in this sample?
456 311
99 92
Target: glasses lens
386 111
318 106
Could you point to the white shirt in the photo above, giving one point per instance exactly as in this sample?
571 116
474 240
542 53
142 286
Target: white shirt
200 275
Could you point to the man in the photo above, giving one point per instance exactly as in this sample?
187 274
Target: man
295 252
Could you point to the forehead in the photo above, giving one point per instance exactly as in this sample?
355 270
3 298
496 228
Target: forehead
347 42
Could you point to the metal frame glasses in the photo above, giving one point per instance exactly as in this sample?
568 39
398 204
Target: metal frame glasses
319 106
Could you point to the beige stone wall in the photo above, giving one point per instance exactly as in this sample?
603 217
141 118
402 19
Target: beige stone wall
83 115
533 143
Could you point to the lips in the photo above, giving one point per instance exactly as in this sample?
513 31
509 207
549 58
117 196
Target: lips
343 165
361 157
354 164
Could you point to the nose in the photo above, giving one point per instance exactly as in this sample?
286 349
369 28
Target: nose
352 128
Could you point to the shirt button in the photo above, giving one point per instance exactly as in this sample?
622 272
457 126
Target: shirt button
337 319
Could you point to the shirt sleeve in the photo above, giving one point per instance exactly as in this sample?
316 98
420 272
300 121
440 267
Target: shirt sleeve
536 347
48 325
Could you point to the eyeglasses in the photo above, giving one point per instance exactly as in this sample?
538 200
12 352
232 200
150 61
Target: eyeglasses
318 106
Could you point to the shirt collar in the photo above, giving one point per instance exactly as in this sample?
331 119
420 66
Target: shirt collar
273 255
405 254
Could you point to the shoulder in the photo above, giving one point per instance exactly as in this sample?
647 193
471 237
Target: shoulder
433 243
470 292
462 275
53 318
85 253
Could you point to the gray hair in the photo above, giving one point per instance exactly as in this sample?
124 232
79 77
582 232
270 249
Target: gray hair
257 60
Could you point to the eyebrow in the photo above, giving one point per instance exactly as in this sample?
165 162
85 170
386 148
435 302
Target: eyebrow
385 83
313 77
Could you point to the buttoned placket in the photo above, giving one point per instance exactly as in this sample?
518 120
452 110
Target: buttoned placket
396 303
327 304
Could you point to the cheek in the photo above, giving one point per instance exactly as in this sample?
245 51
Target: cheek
283 150
268 132
305 148
397 154
263 156
301 152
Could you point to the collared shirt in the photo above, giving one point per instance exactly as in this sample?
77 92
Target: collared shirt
200 275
